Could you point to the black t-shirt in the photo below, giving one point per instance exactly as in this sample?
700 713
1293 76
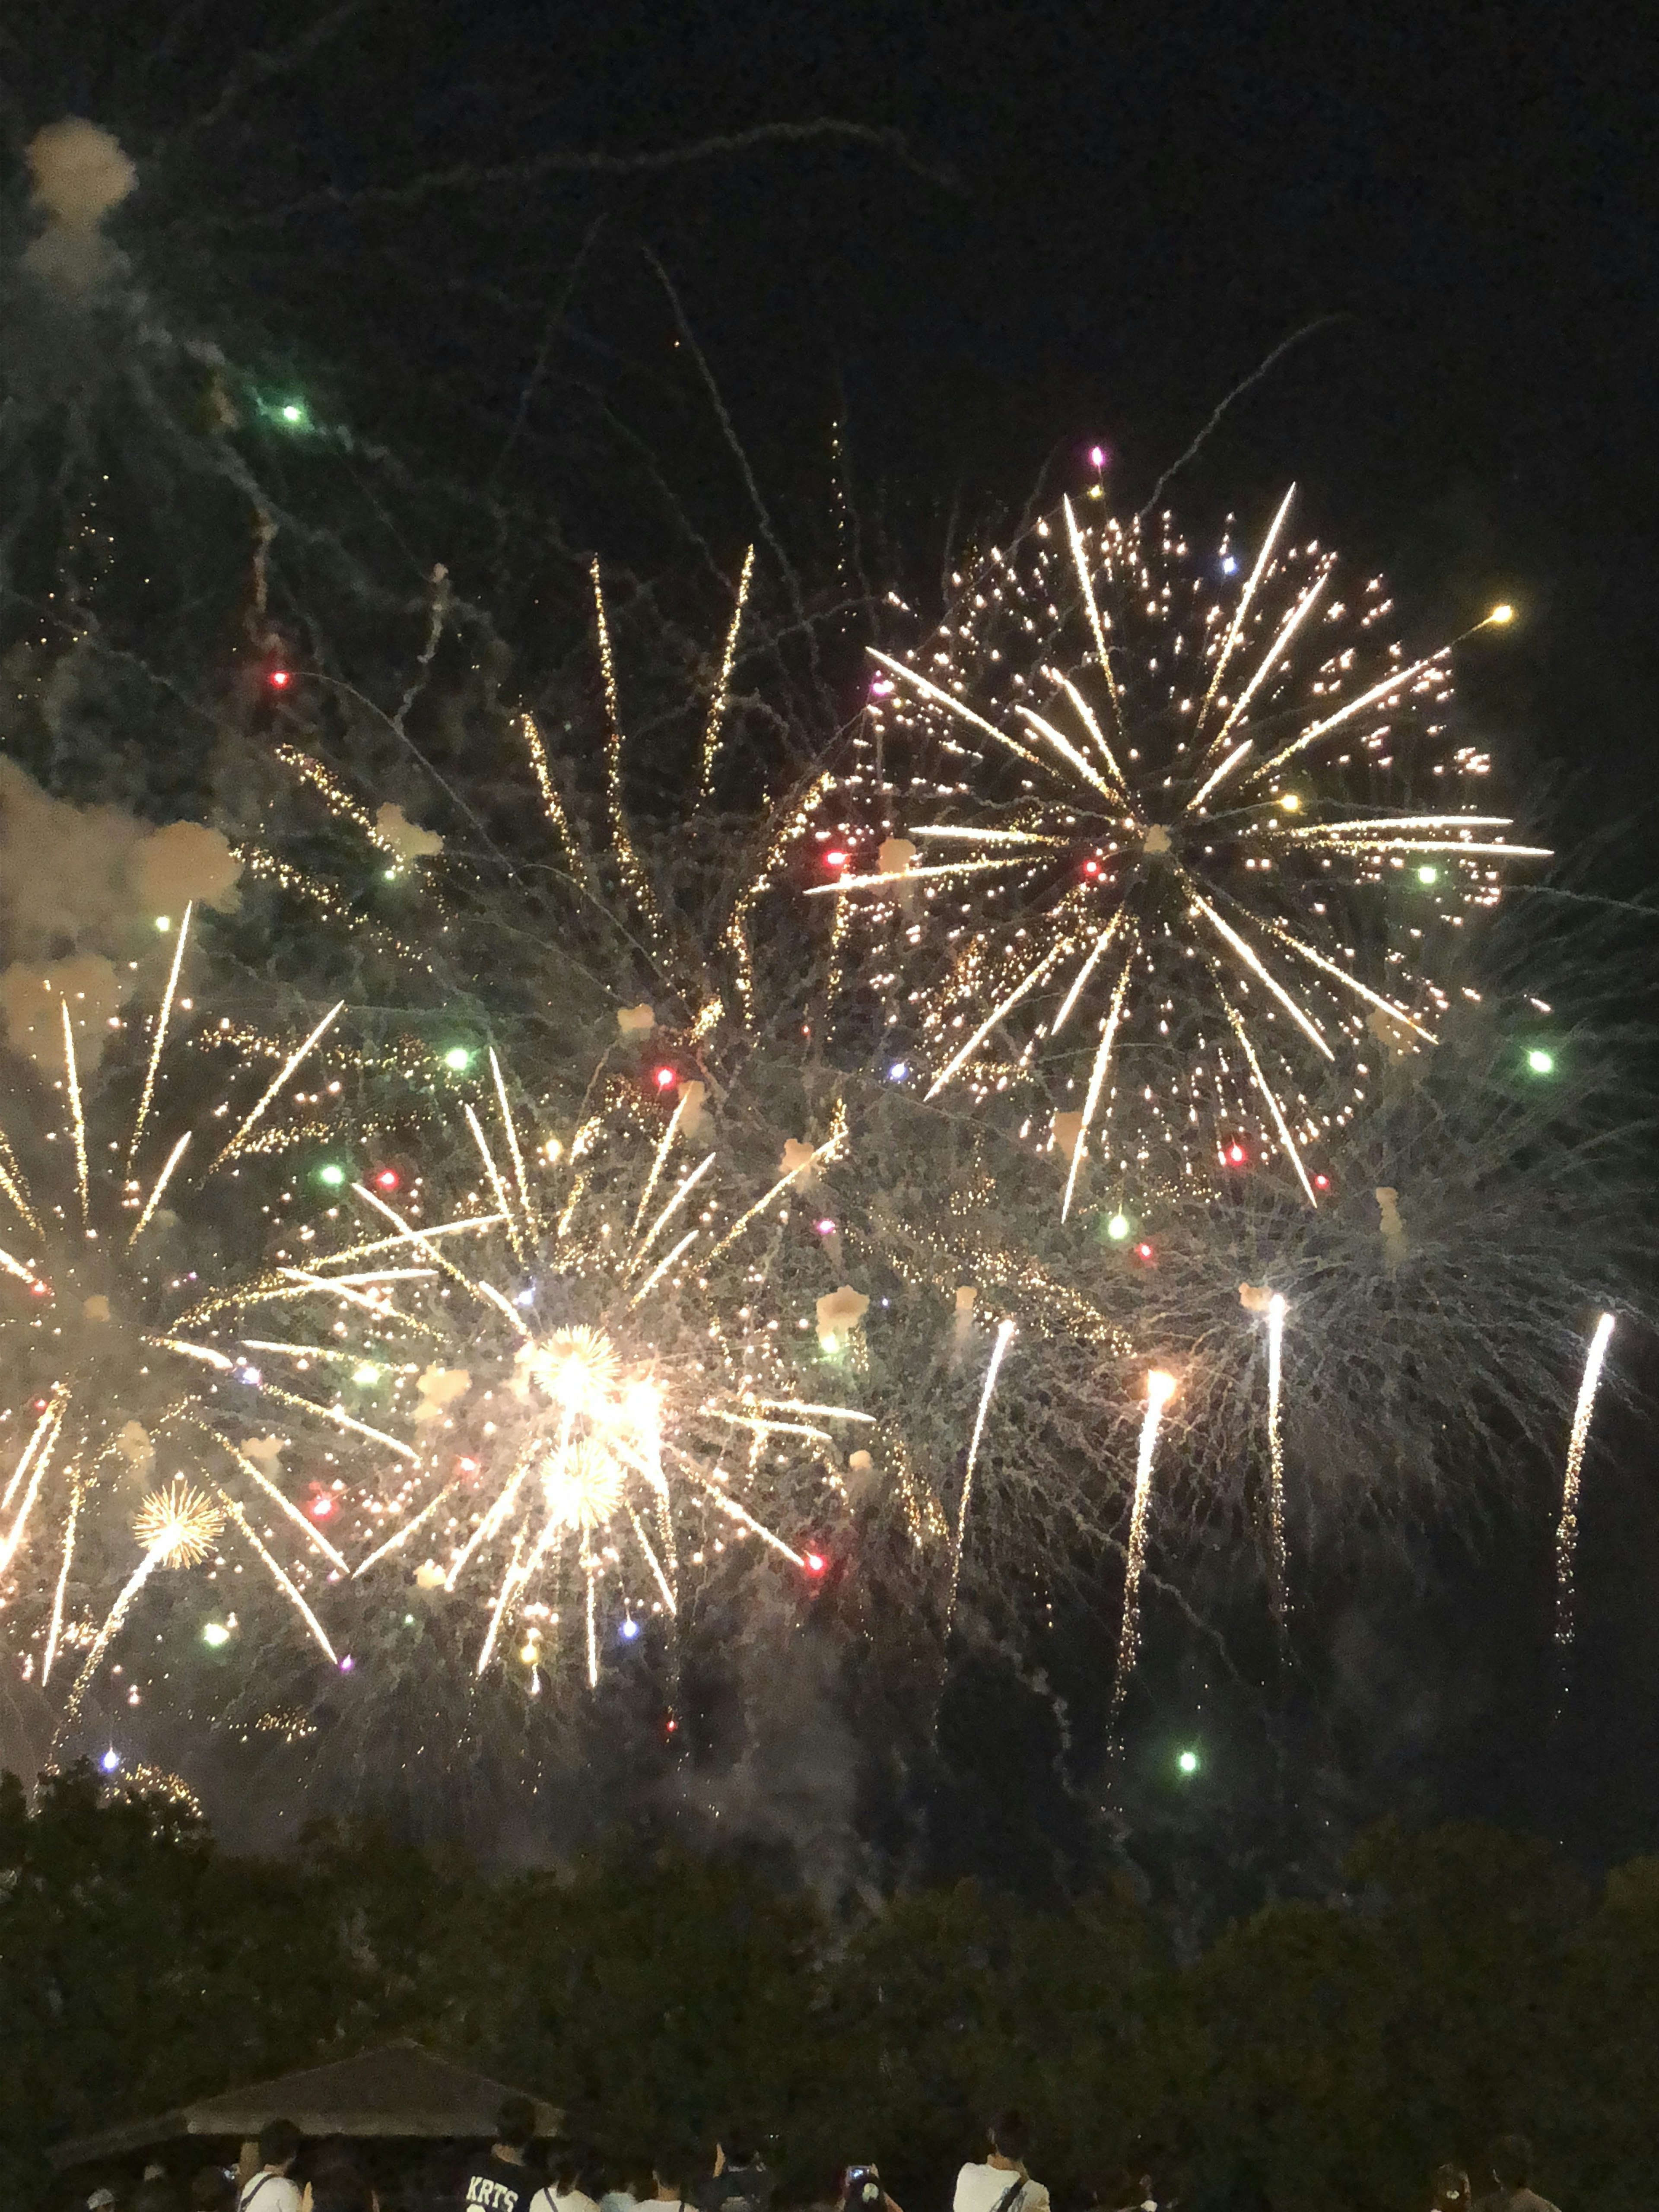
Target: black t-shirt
493 2185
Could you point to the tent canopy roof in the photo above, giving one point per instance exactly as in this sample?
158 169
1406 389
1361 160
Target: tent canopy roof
398 2090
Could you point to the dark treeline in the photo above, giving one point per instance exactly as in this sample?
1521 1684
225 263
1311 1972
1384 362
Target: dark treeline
1464 1980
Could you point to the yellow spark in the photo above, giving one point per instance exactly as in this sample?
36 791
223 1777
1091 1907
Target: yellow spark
664 1145
829 1150
57 1628
1268 1093
661 1268
496 1184
1068 751
688 1185
552 804
652 1560
1500 615
511 1127
160 1040
632 873
1566 1535
12 1183
34 1460
1304 607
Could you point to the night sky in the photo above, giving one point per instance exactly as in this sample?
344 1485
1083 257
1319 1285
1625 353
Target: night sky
1087 223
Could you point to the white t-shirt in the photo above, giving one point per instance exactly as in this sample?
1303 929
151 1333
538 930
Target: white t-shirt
982 2188
270 2192
551 2200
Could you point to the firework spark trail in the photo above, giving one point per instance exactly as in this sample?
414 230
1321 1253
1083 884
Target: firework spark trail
71 1523
1004 1336
278 1575
1566 1535
622 837
72 1077
160 1184
1097 1078
159 1042
552 805
1160 1388
37 1454
714 726
252 1120
1276 1307
177 1527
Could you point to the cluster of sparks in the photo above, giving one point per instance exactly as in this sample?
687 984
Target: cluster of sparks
1147 833
610 1407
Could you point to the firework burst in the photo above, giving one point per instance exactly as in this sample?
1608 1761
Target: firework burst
594 1370
106 1361
1182 846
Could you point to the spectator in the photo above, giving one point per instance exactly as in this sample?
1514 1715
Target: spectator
740 2181
212 2190
625 2197
664 2195
999 2183
272 2189
501 2180
862 2190
1510 2160
565 2192
1450 2189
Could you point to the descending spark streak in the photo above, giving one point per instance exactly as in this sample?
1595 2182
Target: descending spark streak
1005 1334
1394 682
552 805
1289 939
16 1267
1236 628
1068 751
1246 746
401 1535
474 1286
622 837
508 1124
493 1521
888 882
497 1183
1029 982
948 700
49 1419
734 1512
154 1198
1253 962
39 1454
11 1183
1304 606
277 1575
665 1145
517 1573
1081 561
661 1268
277 1082
341 1420
74 1080
118 1613
1268 1093
1276 1452
826 1151
1566 1535
1097 1077
653 1562
687 1186
57 1628
279 1497
712 728
1086 716
592 1644
161 1038
1160 1388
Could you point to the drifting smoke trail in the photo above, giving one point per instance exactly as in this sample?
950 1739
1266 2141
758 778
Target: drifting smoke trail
1276 1451
1160 1388
1566 1535
1005 1332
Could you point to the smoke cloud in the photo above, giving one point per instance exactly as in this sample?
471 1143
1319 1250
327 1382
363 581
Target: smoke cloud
80 175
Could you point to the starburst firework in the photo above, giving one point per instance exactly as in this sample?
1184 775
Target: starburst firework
595 1379
1187 856
108 1356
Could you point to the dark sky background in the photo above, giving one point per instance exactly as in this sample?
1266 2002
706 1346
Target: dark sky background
1102 219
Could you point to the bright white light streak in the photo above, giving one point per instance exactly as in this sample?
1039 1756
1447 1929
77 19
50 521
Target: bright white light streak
671 1209
154 1198
341 1419
278 1497
1087 717
1315 730
278 1574
913 875
1235 629
160 1040
1267 1092
49 1419
118 1613
1097 1074
1237 754
517 1575
955 705
661 1268
1068 751
511 1127
1252 962
275 1084
72 1075
1160 1388
712 728
400 1536
1566 1535
16 1268
1080 562
1269 661
1294 944
1005 1337
653 1562
37 1454
489 1527
497 1183
829 1150
1028 983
